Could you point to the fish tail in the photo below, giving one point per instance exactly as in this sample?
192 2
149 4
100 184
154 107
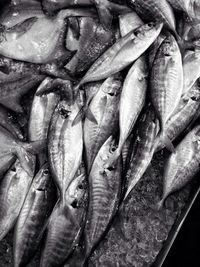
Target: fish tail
27 160
104 13
34 147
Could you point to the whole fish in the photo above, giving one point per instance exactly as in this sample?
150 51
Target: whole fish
11 147
191 69
131 103
186 112
33 217
158 10
93 41
129 22
166 82
104 106
65 145
144 148
41 112
190 7
182 165
13 190
104 194
126 50
38 39
9 121
12 88
65 224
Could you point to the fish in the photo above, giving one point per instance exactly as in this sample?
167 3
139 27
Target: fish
33 217
13 190
158 10
124 52
104 107
186 112
38 39
181 166
166 83
40 116
144 148
9 121
11 147
191 69
190 7
129 22
93 41
8 65
13 87
65 145
104 194
132 100
106 9
66 223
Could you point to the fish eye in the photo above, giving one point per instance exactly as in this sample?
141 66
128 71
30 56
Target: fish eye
111 168
80 186
111 94
75 204
194 98
46 172
151 24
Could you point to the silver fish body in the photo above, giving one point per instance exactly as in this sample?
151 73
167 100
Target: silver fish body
65 224
33 217
13 191
104 107
65 145
104 194
182 165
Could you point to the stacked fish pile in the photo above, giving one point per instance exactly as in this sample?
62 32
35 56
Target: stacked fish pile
89 92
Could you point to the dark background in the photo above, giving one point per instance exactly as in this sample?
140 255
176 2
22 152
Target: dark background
186 248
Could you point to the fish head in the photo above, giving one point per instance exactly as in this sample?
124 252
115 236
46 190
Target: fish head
147 30
112 86
76 191
169 46
41 180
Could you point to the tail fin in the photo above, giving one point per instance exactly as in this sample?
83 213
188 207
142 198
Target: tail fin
160 204
84 112
166 141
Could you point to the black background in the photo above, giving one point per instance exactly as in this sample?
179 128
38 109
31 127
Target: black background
186 248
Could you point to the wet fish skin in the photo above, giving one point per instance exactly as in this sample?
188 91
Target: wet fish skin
9 121
93 41
12 89
66 223
126 50
104 194
181 167
65 145
33 217
104 107
131 103
166 81
159 10
144 148
185 113
13 190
